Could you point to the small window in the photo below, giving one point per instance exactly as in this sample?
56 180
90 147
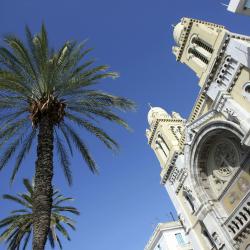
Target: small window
180 239
247 4
246 91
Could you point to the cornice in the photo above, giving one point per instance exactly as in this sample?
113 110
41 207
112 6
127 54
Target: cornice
156 125
167 171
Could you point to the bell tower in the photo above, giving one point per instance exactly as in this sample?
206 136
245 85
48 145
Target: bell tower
165 135
197 45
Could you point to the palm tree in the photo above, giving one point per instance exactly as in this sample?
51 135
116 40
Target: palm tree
19 225
45 94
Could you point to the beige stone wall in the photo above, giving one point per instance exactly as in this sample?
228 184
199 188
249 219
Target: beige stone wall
238 89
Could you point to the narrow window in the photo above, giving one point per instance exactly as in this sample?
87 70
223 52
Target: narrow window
180 239
198 55
247 4
202 44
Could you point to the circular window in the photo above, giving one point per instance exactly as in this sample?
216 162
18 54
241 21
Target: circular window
246 91
218 161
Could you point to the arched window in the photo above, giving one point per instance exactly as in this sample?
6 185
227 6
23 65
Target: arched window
198 55
199 42
164 145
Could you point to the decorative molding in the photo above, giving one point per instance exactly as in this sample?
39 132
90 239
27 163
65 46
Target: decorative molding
216 64
197 123
174 175
167 171
188 25
182 179
196 109
217 240
157 123
238 224
201 120
232 116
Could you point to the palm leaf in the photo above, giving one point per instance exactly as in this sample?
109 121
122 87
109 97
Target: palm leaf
18 227
82 149
62 153
25 149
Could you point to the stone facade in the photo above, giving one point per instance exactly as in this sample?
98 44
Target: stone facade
205 160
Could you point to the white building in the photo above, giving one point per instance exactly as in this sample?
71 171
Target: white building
205 160
169 236
239 6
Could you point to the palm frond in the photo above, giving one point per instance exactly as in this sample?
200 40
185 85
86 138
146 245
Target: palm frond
99 112
10 150
18 227
25 149
99 133
26 239
62 154
28 186
16 199
66 137
65 209
82 149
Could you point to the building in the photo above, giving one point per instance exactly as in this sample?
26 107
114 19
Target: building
169 236
239 6
205 160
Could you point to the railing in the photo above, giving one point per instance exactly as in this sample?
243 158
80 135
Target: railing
238 225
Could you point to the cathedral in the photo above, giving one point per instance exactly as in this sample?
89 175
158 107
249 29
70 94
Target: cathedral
205 160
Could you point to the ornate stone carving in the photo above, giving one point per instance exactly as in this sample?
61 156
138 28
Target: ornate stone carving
222 162
187 192
217 240
182 221
225 159
232 116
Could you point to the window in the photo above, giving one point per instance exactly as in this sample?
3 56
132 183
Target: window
198 55
246 91
247 4
179 239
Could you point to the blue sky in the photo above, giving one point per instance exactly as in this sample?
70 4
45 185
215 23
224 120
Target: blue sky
119 207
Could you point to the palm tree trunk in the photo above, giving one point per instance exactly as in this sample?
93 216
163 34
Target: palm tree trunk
43 189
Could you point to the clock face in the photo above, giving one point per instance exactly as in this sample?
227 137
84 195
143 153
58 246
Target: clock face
226 158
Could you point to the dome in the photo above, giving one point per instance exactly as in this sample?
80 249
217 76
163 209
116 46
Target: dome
177 32
156 113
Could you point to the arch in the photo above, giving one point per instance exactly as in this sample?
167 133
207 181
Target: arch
203 135
161 149
164 145
203 44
